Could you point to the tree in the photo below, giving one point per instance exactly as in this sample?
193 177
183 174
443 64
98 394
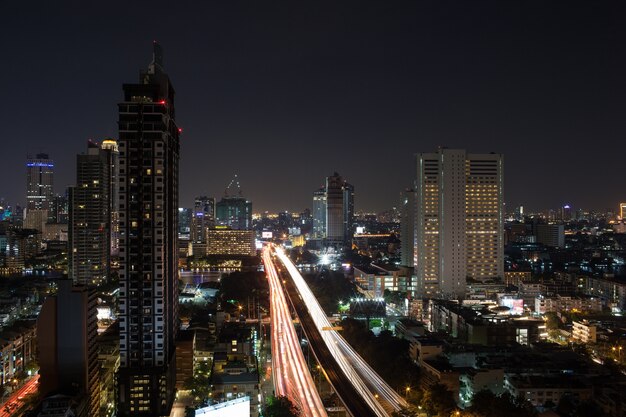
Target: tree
438 401
280 407
487 404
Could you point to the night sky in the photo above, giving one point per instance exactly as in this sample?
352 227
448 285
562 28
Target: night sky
285 93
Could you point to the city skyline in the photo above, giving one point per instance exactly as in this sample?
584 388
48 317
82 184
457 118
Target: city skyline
377 86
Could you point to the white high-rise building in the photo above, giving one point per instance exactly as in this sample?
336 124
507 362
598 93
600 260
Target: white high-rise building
459 221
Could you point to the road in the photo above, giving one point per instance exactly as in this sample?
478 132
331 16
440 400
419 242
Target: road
16 400
289 367
373 390
338 379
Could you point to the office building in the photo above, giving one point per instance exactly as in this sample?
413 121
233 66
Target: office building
407 228
67 328
552 235
203 218
91 224
58 211
319 213
39 182
565 213
224 241
234 212
148 294
622 211
459 222
111 148
333 212
335 231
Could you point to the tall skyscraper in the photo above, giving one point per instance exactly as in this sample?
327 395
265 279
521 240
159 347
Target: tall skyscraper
319 213
59 209
111 146
148 297
459 227
407 228
203 218
67 328
335 228
39 182
333 212
233 210
91 214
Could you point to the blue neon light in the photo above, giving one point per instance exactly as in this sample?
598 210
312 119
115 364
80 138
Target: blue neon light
39 164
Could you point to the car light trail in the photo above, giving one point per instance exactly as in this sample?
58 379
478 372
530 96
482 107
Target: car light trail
290 370
365 380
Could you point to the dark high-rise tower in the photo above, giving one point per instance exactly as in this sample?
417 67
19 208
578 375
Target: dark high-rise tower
148 299
91 214
339 207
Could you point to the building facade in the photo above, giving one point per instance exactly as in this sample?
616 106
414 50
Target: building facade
407 228
234 212
91 227
202 219
319 213
67 328
459 221
148 294
223 241
335 230
39 182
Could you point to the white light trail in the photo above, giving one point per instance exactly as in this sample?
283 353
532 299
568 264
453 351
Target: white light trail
291 374
354 367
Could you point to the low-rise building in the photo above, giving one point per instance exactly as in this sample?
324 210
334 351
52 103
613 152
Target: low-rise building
475 380
612 291
539 390
584 332
17 349
375 279
233 376
565 303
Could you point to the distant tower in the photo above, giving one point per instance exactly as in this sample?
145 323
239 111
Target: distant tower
148 293
459 227
202 219
319 213
39 182
339 222
110 147
234 210
91 225
335 231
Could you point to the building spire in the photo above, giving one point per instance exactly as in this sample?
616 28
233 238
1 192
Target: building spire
234 181
157 54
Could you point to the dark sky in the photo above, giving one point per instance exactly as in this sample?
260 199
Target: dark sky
285 93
